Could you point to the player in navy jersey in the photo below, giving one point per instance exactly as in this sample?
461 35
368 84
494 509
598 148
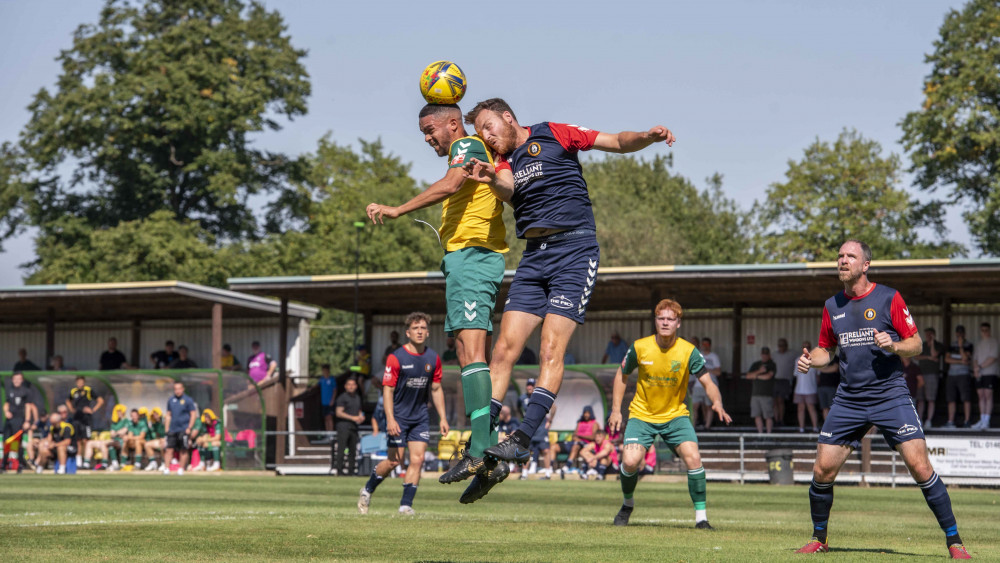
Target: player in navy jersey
412 376
539 172
873 328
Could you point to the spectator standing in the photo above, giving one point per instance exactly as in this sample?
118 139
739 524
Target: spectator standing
394 345
260 366
112 358
327 393
181 414
450 354
163 358
700 403
829 380
229 361
986 371
958 386
182 361
805 395
911 374
23 364
57 364
616 349
19 413
929 361
762 393
784 363
83 402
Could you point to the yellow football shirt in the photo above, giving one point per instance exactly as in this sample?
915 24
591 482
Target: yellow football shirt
663 378
473 216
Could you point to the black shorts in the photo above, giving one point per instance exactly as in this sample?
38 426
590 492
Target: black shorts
958 388
11 426
178 441
329 410
986 382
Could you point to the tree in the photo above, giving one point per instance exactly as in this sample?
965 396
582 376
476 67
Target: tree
156 248
954 139
153 111
647 215
845 190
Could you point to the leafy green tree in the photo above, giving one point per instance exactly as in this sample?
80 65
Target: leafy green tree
954 139
647 215
156 248
844 190
154 110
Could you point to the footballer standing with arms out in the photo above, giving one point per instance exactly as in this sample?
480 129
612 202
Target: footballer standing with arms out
556 276
472 232
873 328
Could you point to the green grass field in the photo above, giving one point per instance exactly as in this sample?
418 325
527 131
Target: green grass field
132 517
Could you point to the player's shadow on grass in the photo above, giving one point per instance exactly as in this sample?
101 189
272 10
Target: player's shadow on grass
872 550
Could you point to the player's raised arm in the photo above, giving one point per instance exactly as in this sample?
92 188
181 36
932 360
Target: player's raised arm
434 194
632 141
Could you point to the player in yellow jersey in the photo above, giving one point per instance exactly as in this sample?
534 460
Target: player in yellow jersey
473 235
665 364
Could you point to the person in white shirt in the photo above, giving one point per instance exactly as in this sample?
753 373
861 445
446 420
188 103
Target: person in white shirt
700 403
806 385
985 370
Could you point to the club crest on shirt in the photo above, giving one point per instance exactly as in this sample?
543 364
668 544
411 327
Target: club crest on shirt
869 314
675 366
427 368
534 149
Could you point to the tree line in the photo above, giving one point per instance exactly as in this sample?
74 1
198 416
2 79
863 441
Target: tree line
140 165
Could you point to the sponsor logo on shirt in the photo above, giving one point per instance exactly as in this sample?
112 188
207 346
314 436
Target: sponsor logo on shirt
459 159
646 362
408 367
528 173
561 302
416 382
840 316
909 317
869 314
863 337
826 434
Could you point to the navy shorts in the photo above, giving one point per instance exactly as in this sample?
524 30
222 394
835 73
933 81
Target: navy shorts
410 431
556 275
540 445
848 423
329 410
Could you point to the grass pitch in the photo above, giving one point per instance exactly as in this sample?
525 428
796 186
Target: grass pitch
142 517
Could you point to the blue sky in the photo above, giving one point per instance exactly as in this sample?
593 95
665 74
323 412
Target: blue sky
745 86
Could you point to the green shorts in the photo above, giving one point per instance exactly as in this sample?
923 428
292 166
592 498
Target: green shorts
472 281
674 432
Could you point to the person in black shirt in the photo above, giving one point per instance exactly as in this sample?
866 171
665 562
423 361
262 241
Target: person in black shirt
23 363
59 440
163 358
19 414
182 361
348 411
112 358
82 402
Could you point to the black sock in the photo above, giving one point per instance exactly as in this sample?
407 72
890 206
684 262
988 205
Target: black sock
953 540
521 438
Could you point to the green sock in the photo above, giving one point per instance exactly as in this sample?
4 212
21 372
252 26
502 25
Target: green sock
215 453
629 481
138 460
477 390
696 486
113 454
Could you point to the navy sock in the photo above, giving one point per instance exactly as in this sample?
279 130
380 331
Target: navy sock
495 407
539 406
938 499
373 482
820 503
409 491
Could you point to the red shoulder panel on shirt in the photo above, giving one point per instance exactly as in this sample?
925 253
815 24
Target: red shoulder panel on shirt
438 372
902 320
391 374
827 339
573 137
500 163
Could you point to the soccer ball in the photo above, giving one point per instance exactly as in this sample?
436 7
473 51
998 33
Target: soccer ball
442 82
